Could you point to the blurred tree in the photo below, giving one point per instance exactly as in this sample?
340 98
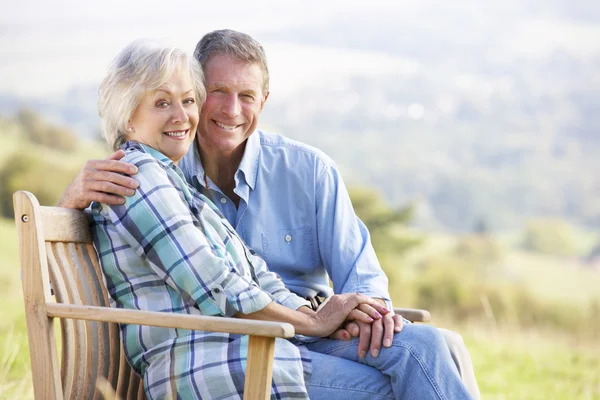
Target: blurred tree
28 171
480 249
383 222
481 227
39 131
550 236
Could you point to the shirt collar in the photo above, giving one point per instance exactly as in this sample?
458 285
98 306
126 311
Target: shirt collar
130 144
248 165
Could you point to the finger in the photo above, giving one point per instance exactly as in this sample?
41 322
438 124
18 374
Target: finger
364 339
358 315
117 155
109 188
108 176
388 330
106 198
398 322
370 311
353 329
113 166
341 334
362 299
383 310
376 337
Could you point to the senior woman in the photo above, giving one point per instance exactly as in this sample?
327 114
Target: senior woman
168 248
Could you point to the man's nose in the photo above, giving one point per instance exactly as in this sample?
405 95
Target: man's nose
231 105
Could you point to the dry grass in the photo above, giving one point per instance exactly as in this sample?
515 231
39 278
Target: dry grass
511 362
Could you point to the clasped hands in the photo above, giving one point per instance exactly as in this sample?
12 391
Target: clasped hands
372 335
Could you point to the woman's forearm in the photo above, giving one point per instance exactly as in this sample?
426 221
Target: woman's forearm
326 319
302 319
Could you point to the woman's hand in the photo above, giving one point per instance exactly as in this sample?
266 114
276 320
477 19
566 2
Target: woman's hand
341 307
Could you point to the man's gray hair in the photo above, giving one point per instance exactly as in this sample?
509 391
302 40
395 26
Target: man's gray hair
141 67
236 44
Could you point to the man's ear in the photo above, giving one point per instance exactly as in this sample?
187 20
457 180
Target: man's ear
264 100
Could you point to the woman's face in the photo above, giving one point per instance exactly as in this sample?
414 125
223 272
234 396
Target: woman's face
166 118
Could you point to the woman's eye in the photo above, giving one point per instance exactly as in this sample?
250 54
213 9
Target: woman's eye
162 104
190 100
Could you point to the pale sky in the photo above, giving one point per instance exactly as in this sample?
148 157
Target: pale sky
47 47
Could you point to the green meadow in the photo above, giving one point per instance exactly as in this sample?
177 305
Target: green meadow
529 315
511 361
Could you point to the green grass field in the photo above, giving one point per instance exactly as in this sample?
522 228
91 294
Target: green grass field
528 365
15 375
510 363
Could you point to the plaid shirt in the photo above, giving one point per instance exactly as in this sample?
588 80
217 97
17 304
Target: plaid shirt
169 249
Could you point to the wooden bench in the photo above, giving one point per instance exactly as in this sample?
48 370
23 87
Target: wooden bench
62 279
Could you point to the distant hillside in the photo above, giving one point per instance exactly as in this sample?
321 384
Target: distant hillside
498 121
494 121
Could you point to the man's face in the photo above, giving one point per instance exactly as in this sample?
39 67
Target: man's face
233 104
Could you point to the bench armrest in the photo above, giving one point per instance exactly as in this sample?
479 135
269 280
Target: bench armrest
171 320
414 314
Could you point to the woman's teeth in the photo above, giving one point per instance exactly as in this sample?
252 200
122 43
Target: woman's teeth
176 133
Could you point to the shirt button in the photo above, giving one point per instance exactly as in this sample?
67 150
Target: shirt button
288 238
216 290
223 200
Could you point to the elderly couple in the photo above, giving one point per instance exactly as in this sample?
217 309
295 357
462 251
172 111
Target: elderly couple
223 219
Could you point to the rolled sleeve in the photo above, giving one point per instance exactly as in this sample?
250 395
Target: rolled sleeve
272 283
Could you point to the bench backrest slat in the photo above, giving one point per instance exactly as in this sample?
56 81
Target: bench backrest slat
57 254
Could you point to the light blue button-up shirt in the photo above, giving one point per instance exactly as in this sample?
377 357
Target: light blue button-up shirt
296 213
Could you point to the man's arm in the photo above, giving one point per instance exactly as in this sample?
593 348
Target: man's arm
347 252
344 241
104 181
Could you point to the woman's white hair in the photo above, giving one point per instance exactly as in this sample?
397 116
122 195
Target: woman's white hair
141 67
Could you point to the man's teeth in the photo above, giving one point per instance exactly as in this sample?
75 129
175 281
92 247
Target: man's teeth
223 126
176 133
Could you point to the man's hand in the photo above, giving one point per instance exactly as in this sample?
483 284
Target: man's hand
102 181
371 336
344 307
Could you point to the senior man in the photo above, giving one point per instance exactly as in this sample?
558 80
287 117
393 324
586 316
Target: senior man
286 199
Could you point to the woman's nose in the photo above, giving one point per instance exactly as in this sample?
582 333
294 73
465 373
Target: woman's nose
179 114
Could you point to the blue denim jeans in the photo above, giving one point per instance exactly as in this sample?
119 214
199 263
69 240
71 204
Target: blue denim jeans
418 365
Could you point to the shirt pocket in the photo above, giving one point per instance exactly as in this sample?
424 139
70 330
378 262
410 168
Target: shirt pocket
285 247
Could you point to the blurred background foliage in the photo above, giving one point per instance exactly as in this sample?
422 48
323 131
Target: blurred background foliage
38 156
541 280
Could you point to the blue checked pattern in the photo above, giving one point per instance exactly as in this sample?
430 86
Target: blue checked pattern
295 212
169 249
